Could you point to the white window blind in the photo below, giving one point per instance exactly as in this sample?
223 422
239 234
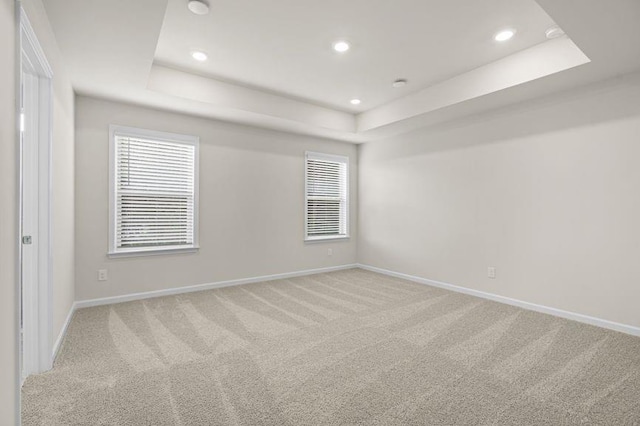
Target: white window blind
154 191
326 201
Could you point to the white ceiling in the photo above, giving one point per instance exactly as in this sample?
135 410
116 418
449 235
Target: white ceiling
286 46
271 63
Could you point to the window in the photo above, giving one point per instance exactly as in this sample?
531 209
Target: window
326 196
153 193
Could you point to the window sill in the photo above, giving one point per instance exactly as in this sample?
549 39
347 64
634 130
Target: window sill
153 252
326 239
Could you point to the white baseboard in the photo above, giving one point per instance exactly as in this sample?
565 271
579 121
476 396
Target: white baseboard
201 287
624 328
63 332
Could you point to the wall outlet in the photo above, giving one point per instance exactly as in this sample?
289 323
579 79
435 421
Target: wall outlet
102 275
330 252
491 272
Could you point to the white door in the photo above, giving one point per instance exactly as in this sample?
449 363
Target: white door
35 156
29 215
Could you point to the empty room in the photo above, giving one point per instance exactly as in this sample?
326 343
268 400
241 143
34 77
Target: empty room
339 212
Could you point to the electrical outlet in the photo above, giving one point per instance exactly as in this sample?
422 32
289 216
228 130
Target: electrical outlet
330 252
102 275
491 272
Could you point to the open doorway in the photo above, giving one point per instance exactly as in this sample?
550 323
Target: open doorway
35 204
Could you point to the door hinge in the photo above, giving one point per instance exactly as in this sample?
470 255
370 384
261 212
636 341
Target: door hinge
26 239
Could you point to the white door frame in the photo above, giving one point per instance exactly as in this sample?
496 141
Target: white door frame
36 294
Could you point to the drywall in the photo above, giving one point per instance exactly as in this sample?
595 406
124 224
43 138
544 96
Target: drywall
251 204
62 179
8 218
546 192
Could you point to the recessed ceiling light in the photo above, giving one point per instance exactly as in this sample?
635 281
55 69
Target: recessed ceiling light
504 35
199 56
341 46
554 32
401 82
355 101
199 7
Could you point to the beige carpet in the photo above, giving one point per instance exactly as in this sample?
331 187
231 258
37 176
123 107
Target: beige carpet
344 348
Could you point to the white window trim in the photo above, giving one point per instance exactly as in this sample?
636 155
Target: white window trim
329 157
116 130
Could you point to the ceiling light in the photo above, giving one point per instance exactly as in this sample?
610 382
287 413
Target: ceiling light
355 101
504 35
199 7
199 56
341 46
401 82
554 32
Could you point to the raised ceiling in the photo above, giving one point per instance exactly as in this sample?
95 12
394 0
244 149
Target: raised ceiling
271 63
285 47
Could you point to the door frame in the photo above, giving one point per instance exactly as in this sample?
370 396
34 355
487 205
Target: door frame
37 304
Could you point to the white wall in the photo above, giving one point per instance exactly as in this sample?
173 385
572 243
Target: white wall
548 192
251 204
8 219
63 168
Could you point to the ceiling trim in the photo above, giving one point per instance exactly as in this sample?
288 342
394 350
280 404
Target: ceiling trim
186 85
530 64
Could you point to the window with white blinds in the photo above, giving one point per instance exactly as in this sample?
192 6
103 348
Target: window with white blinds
326 196
153 197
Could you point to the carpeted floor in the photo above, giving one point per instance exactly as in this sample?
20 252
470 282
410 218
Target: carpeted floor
344 348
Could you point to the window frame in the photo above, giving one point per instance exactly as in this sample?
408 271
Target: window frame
117 130
335 158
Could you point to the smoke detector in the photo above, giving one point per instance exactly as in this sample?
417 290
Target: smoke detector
401 82
554 32
199 7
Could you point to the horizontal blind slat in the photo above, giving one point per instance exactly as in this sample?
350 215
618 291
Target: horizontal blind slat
326 197
155 192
